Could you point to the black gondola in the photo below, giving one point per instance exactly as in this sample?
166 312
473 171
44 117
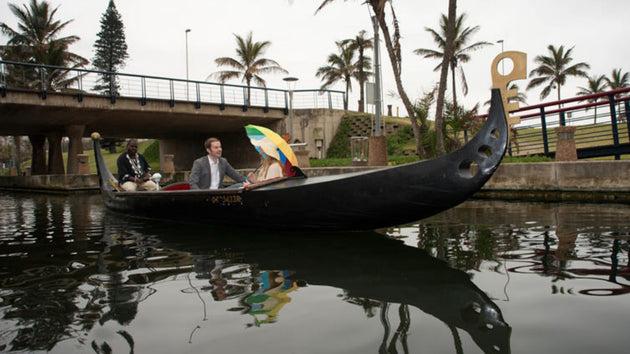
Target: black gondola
354 201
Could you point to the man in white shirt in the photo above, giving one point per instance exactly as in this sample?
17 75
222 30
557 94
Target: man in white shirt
208 171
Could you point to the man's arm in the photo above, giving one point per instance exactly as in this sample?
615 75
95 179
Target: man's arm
230 171
124 169
193 180
145 167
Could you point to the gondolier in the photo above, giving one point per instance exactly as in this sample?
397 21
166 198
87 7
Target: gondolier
133 170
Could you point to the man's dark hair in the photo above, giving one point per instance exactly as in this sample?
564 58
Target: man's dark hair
209 142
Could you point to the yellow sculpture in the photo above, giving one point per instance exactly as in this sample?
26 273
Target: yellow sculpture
501 81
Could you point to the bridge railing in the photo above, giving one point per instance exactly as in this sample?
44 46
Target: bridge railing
602 125
46 79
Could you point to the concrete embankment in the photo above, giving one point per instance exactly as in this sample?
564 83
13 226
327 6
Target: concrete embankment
582 181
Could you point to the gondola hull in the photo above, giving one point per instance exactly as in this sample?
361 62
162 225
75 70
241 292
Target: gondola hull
356 201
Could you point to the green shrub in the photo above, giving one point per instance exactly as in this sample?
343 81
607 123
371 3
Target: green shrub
396 142
340 145
152 154
395 160
522 159
329 162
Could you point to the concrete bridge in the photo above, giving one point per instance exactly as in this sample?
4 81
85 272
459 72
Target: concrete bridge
180 113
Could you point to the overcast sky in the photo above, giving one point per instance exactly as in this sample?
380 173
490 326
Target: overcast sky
302 40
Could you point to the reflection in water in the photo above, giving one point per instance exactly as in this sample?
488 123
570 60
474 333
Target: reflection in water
71 271
563 242
372 270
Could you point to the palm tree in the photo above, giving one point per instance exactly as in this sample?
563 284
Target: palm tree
520 97
460 52
341 67
392 43
596 84
617 81
360 44
249 65
37 41
554 70
448 52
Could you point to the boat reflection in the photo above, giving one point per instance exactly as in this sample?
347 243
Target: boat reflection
374 271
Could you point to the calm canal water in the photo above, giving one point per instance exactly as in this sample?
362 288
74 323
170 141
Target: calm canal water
487 276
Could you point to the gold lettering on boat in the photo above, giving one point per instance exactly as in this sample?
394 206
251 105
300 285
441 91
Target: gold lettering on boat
226 199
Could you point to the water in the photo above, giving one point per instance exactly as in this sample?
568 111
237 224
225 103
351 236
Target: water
487 276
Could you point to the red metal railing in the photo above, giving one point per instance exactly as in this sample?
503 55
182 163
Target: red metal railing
602 126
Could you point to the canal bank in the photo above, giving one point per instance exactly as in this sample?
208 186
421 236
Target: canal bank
582 181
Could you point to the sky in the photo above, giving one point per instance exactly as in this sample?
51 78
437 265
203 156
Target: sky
301 40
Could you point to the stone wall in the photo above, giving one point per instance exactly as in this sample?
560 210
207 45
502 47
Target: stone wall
561 181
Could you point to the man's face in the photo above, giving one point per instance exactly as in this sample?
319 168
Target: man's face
132 148
215 149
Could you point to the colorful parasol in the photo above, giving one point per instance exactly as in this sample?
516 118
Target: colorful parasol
267 142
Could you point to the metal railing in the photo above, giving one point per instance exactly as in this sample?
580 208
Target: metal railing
602 127
46 79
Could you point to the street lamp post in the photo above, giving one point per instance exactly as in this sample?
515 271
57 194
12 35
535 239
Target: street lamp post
291 85
502 60
187 31
378 100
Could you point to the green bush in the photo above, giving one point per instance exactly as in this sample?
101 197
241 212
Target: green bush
152 154
340 145
329 162
395 160
522 159
396 142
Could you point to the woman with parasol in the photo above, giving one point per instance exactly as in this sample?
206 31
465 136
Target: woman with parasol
277 155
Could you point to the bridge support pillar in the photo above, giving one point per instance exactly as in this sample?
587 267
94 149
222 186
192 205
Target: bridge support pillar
38 159
55 158
75 148
565 145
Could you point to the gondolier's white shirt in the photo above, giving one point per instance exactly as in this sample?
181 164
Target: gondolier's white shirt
214 174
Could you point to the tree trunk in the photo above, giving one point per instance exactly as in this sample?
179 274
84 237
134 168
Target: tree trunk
345 106
397 76
361 83
453 81
448 52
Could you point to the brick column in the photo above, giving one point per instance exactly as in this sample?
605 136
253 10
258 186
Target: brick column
302 158
565 145
377 151
167 166
83 167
